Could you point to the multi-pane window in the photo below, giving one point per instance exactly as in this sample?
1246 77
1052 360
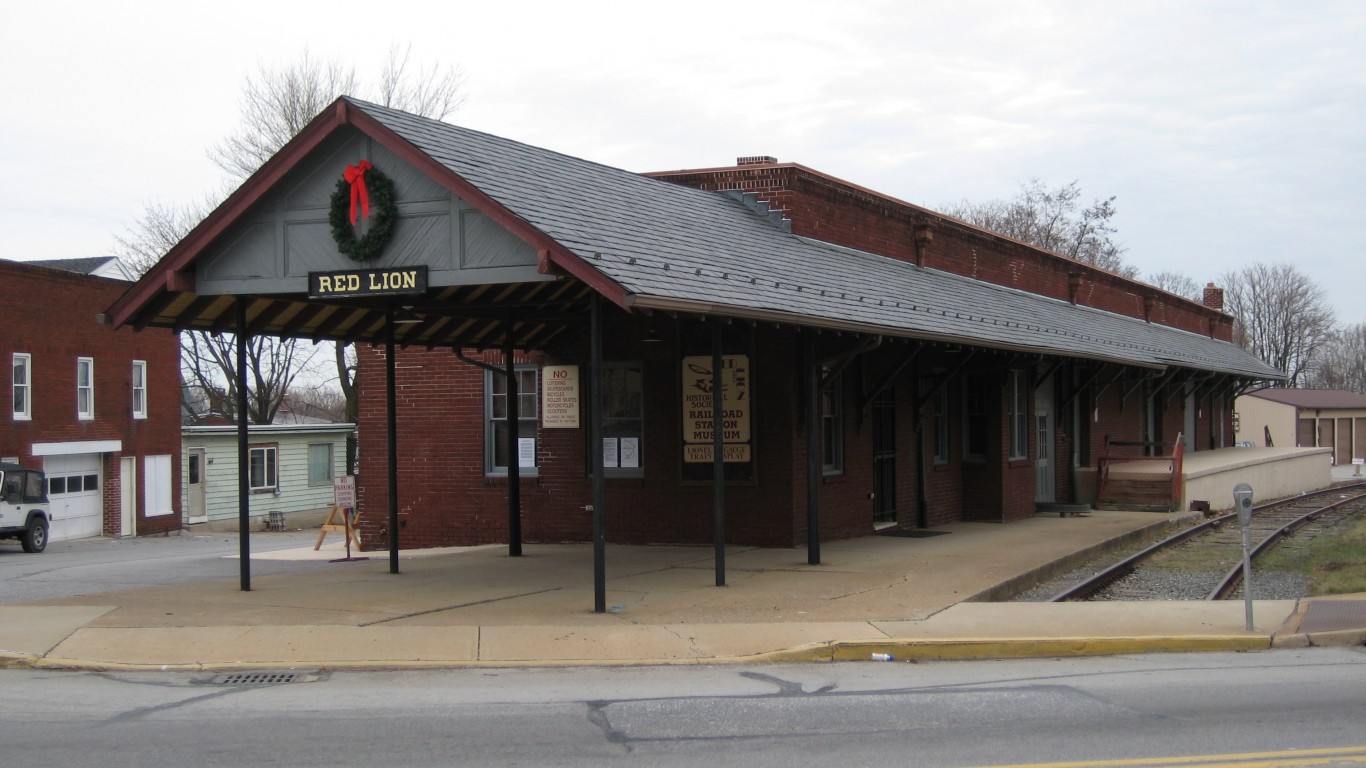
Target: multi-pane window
1018 414
262 468
85 388
623 419
941 426
832 425
320 464
139 389
22 384
501 441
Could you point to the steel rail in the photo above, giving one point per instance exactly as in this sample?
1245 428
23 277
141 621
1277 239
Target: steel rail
1113 573
1234 577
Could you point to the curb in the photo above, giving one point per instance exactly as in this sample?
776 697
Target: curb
907 650
966 649
1339 638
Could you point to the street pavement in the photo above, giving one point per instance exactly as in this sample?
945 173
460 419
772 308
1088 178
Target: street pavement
911 597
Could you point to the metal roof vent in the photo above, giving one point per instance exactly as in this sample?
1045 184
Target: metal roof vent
756 160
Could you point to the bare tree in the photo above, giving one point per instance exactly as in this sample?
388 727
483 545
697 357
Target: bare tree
1280 315
429 90
1177 283
1054 220
208 364
279 101
1341 361
155 232
276 104
320 402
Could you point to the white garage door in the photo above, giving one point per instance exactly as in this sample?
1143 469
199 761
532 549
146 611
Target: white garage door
75 489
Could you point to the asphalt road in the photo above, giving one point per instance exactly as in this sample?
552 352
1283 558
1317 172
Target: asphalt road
1251 709
91 566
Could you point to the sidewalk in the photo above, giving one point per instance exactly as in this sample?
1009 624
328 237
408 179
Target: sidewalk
911 597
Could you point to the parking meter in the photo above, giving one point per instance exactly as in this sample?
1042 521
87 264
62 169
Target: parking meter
1242 502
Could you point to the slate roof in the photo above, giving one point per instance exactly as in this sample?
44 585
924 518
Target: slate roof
671 246
1314 398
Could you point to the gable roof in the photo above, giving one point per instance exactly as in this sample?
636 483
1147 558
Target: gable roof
1313 398
650 244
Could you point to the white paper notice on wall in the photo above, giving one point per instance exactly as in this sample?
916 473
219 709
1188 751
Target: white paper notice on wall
630 452
609 453
526 451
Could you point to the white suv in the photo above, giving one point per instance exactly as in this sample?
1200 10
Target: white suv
23 506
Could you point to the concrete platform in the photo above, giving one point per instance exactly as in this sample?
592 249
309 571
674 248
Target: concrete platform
1210 476
1273 473
910 597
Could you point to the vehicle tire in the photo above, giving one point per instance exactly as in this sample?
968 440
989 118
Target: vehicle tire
35 538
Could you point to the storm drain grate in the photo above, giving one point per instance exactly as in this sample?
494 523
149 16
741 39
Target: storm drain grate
257 678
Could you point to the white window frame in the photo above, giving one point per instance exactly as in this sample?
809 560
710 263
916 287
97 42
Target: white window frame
528 419
21 392
270 468
86 366
331 464
139 389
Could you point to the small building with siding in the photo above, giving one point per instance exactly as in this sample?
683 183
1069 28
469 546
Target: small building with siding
1305 418
291 471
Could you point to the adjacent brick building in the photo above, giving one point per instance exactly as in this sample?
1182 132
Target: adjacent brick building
97 408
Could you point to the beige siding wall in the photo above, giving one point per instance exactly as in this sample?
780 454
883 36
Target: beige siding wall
1256 414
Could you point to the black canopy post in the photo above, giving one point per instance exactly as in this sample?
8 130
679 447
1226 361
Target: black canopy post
243 451
595 459
391 416
718 459
813 451
514 454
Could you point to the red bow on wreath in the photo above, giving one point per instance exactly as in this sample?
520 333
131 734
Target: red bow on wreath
355 176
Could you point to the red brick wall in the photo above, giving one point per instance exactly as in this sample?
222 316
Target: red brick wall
836 211
446 496
51 315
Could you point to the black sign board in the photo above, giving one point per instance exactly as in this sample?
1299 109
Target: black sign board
394 281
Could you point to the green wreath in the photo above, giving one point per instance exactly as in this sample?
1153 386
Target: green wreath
381 195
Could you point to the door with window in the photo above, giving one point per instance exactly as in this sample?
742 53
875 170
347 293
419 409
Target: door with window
194 484
1044 488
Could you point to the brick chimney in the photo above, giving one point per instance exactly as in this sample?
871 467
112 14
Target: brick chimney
1214 297
756 160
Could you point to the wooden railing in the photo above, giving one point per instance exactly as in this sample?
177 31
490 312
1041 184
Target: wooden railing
1166 487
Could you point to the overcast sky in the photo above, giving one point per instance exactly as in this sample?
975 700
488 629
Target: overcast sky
1230 132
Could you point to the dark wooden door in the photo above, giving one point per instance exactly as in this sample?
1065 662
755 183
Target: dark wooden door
884 457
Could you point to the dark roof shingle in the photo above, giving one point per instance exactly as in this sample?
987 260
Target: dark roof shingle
664 242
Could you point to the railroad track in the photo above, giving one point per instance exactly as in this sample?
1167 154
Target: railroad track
1213 550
